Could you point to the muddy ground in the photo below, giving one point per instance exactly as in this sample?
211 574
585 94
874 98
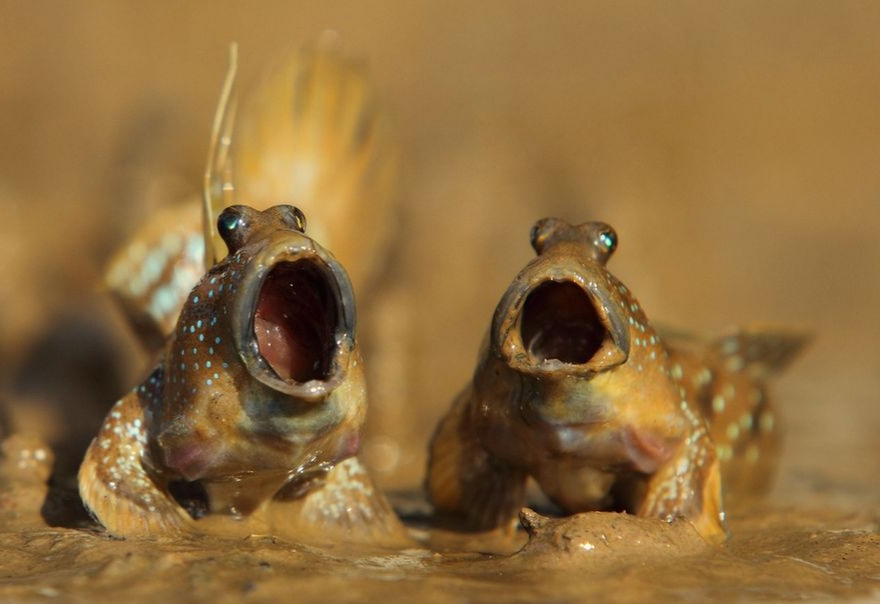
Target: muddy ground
733 146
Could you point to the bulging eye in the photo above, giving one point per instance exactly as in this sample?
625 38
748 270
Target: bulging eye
232 225
295 218
543 230
228 223
286 216
601 240
608 240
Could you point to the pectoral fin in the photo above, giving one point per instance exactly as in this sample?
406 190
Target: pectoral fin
465 485
116 487
344 507
689 486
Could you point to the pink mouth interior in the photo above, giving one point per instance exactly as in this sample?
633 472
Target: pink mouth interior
295 321
560 322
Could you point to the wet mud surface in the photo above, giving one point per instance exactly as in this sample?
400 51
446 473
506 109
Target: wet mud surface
776 554
734 150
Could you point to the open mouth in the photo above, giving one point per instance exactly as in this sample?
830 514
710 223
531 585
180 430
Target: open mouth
560 321
295 321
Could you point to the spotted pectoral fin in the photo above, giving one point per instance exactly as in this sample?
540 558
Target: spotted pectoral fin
116 487
344 507
465 484
760 351
689 486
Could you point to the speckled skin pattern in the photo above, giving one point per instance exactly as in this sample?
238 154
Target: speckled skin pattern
256 405
575 389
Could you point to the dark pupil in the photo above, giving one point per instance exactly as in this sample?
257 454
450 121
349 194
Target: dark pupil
228 223
607 240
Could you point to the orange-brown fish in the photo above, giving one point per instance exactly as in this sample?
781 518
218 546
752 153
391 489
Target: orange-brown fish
575 389
255 407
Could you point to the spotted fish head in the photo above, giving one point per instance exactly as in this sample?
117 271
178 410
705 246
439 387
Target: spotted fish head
293 312
262 371
580 355
563 312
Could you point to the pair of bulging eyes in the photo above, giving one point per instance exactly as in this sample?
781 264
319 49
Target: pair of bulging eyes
600 236
234 222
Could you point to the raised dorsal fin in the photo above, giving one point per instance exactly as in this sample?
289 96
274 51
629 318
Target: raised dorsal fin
760 350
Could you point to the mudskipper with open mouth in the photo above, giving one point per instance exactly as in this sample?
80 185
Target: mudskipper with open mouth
254 411
577 390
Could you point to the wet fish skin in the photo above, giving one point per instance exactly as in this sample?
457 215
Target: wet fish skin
727 377
575 389
248 429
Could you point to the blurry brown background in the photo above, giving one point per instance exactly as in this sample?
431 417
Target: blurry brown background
733 146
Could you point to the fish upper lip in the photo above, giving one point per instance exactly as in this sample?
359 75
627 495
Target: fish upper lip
244 308
506 321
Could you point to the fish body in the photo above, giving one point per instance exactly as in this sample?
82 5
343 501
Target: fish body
256 404
575 389
727 377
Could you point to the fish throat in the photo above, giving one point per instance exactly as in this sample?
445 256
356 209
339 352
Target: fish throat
559 321
295 321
